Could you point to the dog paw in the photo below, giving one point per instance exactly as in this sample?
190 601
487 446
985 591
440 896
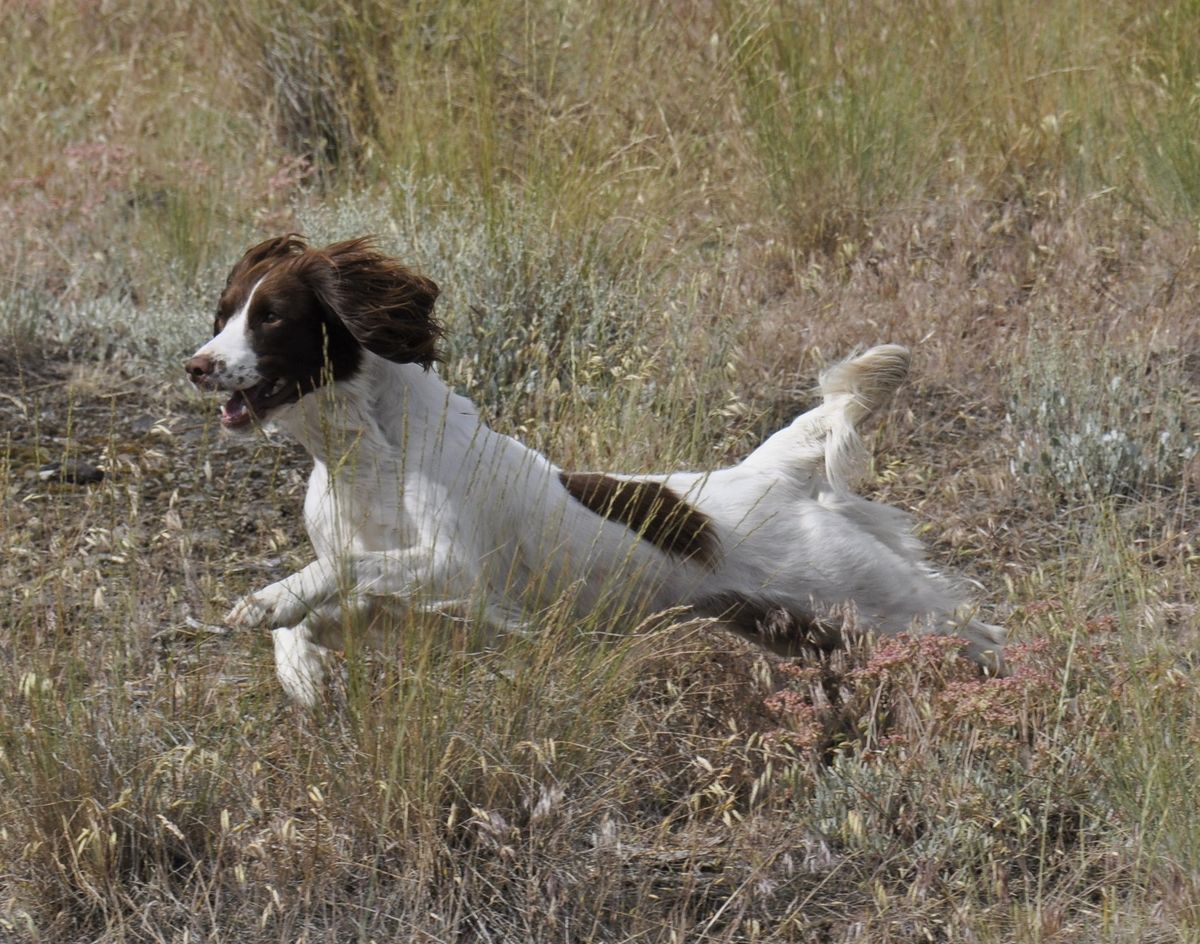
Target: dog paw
270 608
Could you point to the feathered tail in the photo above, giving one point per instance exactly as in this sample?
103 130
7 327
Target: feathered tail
826 438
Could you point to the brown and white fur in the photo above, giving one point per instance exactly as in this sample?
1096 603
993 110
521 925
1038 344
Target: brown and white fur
413 499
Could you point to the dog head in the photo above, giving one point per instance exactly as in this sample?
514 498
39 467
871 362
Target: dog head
292 319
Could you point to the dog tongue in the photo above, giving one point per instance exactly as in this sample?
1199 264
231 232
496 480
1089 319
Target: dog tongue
235 412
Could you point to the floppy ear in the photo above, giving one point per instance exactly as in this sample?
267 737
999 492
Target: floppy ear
386 306
282 246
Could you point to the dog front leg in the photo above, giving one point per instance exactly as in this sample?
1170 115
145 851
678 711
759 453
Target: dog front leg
285 602
300 662
405 573
402 573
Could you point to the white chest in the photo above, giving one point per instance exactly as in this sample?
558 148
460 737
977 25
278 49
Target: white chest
356 510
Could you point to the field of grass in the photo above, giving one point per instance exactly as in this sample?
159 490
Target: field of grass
653 224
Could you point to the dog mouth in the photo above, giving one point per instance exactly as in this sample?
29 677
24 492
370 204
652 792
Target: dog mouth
254 402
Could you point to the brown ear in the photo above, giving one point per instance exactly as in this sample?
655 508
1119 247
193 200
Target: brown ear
290 245
386 306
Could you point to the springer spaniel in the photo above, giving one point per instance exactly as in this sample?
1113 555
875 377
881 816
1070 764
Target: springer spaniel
414 500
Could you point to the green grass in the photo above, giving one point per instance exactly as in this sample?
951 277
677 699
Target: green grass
652 224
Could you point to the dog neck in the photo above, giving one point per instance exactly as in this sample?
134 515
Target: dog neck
384 408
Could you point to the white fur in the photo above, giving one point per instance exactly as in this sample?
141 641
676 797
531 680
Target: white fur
414 501
235 364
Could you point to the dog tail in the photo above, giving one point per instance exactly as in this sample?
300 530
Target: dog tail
828 435
854 390
866 382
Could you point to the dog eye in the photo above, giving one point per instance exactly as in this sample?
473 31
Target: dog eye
271 317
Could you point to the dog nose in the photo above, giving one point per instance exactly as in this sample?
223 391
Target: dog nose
198 368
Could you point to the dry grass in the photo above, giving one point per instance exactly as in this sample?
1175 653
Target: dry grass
653 224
